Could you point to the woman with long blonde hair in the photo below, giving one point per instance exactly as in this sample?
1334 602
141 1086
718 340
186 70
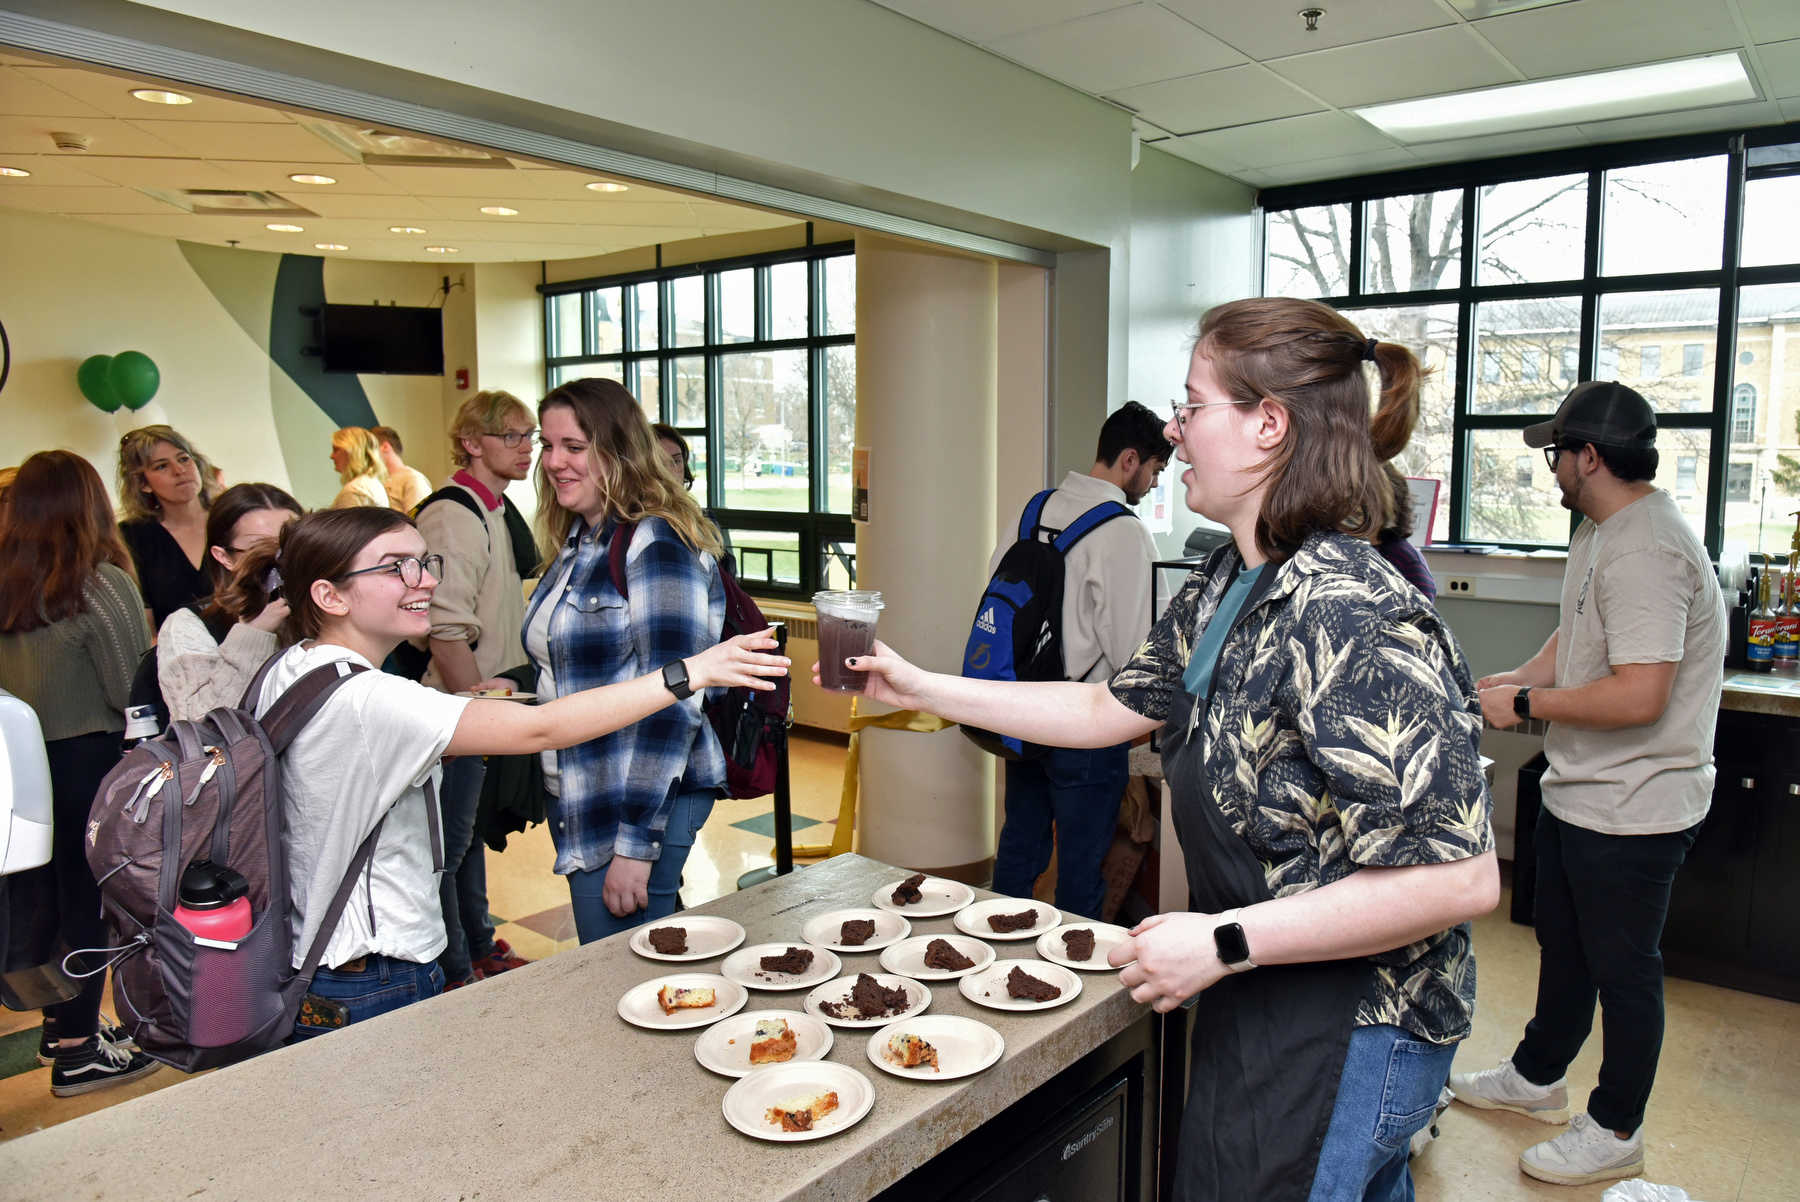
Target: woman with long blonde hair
628 804
166 487
357 457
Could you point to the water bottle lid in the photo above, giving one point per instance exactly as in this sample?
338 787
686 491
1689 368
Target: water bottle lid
209 886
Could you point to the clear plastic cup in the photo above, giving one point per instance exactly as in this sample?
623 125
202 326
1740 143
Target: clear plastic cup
846 629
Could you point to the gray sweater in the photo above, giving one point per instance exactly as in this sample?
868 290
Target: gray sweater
77 673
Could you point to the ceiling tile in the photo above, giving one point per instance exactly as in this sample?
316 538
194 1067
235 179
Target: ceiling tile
21 95
1790 110
480 182
109 136
1338 166
1567 39
1266 29
352 178
244 140
1234 96
1121 49
156 173
1463 150
111 94
1662 125
1771 20
50 170
1291 140
982 21
394 210
1207 157
1451 59
1781 67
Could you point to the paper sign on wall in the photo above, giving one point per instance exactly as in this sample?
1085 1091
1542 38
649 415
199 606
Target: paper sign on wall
859 484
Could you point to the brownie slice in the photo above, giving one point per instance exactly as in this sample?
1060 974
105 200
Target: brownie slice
857 932
869 998
943 956
1013 922
794 960
906 893
669 941
1079 944
1021 984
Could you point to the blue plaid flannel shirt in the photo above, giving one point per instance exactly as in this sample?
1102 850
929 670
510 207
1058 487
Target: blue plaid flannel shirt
618 790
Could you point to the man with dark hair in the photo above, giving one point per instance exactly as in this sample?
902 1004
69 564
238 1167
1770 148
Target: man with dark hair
406 486
1105 616
1630 685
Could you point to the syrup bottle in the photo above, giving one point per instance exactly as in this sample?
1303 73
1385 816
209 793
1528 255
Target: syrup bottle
1787 627
1759 648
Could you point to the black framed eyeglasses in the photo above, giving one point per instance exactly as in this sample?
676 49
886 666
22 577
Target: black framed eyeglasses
512 438
411 570
1553 454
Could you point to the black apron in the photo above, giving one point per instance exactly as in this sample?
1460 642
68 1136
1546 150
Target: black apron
1268 1044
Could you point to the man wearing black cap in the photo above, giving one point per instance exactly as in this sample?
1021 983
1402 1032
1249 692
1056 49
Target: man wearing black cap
1630 685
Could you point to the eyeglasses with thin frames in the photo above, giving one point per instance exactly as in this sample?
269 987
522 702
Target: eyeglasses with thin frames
411 570
512 438
1181 411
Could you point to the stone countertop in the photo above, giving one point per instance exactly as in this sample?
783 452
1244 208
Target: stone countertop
530 1086
1750 692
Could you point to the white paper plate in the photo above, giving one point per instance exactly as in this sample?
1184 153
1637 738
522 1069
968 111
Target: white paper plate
972 920
743 967
964 1046
938 897
490 697
827 929
1106 937
707 936
639 1006
988 987
838 990
907 958
747 1103
716 1051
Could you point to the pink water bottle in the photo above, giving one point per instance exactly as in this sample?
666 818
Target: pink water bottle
213 903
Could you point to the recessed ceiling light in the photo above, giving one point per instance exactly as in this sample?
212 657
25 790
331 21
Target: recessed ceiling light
404 229
329 246
606 185
282 227
443 250
158 96
308 178
15 172
1691 83
499 211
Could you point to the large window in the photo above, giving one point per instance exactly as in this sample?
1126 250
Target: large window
1672 267
754 361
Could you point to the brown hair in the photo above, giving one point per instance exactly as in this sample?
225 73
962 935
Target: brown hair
55 532
484 413
1399 521
388 435
1307 358
136 502
364 452
234 504
317 546
663 430
634 477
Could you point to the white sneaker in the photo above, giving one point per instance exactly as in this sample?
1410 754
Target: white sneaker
1502 1088
1584 1154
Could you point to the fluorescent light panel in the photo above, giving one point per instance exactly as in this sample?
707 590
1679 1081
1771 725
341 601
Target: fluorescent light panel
1604 95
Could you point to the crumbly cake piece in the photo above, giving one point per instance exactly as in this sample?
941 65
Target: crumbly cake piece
856 932
794 960
800 1113
672 998
1022 921
909 1051
774 1042
868 999
906 893
1078 944
942 955
669 941
1021 984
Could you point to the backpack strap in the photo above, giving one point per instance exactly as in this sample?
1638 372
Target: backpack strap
303 699
616 552
1034 512
335 911
524 543
452 492
1088 522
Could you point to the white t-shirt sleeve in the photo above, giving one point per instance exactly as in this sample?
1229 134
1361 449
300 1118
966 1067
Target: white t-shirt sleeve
1643 598
405 727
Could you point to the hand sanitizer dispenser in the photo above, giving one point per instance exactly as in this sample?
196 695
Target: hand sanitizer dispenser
25 813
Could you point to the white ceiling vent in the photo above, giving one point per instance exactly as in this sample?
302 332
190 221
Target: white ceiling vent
381 148
229 203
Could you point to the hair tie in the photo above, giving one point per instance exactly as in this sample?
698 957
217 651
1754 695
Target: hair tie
1368 350
272 581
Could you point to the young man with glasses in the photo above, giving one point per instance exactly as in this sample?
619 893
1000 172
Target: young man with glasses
1630 685
476 614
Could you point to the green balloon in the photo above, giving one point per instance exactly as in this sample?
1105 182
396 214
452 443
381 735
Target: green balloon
134 378
91 377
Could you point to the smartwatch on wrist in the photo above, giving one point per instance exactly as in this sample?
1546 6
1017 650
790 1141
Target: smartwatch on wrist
1233 947
675 679
1522 702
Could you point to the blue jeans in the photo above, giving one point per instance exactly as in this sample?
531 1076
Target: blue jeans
462 889
1077 790
594 921
384 984
1389 1089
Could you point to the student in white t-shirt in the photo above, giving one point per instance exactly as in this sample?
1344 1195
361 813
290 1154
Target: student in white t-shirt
358 581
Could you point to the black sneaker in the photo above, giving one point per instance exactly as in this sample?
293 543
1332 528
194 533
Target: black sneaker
109 1031
96 1064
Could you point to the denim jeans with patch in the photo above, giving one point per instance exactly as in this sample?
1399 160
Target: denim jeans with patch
1389 1089
383 984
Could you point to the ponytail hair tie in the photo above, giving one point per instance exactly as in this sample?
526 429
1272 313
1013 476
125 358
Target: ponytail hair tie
1368 350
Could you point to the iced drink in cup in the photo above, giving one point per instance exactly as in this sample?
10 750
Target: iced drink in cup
846 630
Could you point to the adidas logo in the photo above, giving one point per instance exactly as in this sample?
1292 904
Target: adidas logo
986 621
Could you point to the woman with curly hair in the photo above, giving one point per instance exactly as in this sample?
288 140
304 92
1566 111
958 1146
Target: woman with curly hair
357 457
166 487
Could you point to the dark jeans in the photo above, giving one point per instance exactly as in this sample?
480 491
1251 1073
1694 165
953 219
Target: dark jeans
1076 790
586 887
384 984
1601 901
462 889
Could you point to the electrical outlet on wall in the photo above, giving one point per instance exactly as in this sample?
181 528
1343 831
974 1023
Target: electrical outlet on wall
1459 586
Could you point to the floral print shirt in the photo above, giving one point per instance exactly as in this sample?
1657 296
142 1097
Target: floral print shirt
1342 734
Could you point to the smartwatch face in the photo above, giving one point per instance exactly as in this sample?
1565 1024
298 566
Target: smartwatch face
1233 947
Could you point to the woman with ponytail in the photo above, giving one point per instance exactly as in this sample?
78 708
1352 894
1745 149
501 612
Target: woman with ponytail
1319 731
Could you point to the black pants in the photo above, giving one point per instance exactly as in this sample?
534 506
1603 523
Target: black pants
1601 902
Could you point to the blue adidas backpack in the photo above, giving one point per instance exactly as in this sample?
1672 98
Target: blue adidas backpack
1017 633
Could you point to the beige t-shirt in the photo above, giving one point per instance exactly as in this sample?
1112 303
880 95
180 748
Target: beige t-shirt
1639 589
407 488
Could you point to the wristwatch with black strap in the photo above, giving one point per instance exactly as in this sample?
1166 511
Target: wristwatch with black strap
1233 947
1522 702
675 679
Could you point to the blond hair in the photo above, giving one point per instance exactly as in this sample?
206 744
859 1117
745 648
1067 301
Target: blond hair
136 502
364 452
635 480
486 412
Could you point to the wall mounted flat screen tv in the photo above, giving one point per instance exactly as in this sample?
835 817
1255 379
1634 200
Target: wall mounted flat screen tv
388 340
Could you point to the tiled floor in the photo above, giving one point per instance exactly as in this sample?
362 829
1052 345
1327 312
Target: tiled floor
1724 1122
